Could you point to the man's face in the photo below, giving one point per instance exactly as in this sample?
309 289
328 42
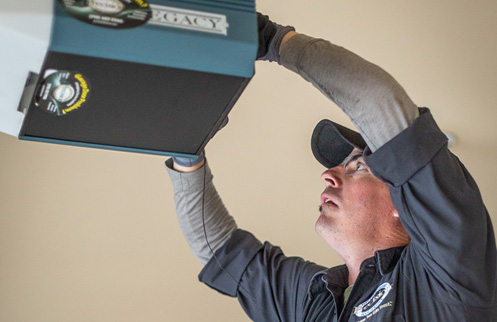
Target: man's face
356 206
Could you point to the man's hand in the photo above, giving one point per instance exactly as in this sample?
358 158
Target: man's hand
271 36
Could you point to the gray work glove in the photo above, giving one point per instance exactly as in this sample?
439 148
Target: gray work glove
190 162
270 36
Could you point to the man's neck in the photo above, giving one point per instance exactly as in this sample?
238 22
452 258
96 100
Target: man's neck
354 266
354 257
353 274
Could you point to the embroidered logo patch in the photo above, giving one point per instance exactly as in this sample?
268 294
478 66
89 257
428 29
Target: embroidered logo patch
374 301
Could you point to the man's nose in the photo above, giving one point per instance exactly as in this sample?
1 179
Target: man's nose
332 177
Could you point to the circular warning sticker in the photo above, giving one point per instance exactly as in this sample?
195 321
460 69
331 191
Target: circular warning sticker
62 92
117 14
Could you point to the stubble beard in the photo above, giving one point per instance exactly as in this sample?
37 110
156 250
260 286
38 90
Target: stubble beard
324 223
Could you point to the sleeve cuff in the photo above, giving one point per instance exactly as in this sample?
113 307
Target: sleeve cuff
403 156
224 271
189 181
293 50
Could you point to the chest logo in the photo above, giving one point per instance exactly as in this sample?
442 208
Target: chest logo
371 304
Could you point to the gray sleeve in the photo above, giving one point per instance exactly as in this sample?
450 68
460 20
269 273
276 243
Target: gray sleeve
190 192
374 101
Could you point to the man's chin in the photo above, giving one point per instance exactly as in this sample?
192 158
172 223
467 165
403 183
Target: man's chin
322 225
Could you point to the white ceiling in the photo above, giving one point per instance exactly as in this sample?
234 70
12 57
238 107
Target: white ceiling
91 235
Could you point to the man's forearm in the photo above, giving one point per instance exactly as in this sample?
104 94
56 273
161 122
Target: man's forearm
375 102
192 196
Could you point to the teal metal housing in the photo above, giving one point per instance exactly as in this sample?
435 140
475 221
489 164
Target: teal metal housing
232 54
162 86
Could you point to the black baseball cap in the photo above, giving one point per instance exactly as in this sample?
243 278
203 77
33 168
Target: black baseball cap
331 143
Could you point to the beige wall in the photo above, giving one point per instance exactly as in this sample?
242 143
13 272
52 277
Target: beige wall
89 235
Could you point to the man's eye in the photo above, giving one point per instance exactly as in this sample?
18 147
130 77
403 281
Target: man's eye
356 164
360 166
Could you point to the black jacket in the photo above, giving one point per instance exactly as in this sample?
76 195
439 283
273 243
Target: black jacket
447 273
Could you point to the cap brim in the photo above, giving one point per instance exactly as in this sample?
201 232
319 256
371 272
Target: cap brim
331 143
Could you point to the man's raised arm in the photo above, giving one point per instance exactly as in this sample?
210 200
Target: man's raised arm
197 201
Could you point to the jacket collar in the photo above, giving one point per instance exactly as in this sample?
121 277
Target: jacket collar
387 259
335 279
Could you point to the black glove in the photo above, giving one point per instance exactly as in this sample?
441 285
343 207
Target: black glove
270 36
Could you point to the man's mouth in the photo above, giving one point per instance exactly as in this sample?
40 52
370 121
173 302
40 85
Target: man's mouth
326 200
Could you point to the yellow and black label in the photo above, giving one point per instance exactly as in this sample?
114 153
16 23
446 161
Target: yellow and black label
62 92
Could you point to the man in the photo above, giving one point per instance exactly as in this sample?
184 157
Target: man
400 209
